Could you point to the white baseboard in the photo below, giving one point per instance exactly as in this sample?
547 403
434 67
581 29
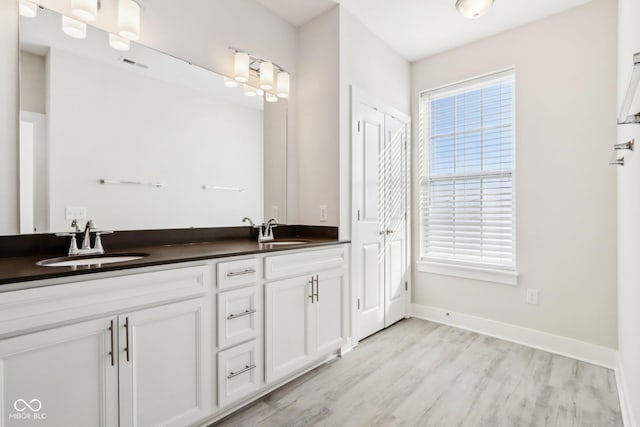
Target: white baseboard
628 418
580 350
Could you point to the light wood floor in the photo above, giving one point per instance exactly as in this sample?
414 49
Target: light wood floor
418 373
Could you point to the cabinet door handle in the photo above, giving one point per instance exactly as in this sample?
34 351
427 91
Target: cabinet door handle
241 371
312 290
127 349
111 353
317 287
241 272
244 313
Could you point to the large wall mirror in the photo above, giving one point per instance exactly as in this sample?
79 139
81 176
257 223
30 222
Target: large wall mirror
139 139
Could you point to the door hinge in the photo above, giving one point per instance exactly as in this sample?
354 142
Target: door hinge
358 303
358 125
358 214
406 286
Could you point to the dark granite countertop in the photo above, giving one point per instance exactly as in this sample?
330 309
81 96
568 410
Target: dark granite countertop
23 268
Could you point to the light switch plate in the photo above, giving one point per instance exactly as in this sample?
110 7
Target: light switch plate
323 213
71 213
275 211
532 296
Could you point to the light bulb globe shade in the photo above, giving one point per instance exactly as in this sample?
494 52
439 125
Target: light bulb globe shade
249 91
87 10
119 43
266 75
230 82
241 67
28 9
74 28
472 9
269 97
129 19
283 84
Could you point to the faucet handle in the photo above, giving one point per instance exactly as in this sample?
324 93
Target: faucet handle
76 225
73 245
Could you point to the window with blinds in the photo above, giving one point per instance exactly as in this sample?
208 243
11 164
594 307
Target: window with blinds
467 197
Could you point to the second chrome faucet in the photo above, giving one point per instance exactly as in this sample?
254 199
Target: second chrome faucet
86 239
265 230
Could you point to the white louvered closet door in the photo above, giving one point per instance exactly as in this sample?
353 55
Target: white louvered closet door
379 238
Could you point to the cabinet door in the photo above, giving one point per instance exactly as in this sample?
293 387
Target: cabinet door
287 316
329 328
62 376
165 365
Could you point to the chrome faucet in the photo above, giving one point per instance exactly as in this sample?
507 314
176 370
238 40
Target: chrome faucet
265 230
86 241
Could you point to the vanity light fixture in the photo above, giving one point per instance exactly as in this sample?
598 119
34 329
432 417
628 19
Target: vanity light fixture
269 97
74 28
241 66
228 82
119 43
266 75
249 91
28 8
283 84
246 65
129 19
473 9
86 10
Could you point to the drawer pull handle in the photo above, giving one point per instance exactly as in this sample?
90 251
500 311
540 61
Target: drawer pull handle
241 272
242 371
244 313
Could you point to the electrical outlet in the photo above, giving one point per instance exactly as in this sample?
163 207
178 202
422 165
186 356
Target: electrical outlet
532 296
275 211
75 213
323 213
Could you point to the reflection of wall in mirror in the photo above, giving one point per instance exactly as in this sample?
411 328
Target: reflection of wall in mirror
107 122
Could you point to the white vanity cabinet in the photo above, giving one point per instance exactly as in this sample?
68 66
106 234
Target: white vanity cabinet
145 360
62 376
306 316
239 324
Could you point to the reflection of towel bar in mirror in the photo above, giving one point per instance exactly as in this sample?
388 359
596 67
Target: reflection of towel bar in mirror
115 181
624 117
220 188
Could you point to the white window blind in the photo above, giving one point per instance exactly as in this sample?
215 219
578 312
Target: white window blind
467 197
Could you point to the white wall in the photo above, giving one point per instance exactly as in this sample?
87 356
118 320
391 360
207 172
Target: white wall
337 52
32 83
318 118
9 105
167 132
199 31
565 69
628 218
370 65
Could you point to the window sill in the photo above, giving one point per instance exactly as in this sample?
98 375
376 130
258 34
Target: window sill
502 277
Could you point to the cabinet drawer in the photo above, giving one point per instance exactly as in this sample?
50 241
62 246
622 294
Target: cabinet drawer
42 307
301 263
237 273
239 372
239 314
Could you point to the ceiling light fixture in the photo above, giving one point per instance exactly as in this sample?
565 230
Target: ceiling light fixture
473 9
246 65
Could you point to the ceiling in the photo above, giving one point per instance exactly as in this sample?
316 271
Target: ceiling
419 28
298 12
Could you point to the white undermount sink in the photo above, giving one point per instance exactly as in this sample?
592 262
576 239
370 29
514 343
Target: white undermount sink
89 261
